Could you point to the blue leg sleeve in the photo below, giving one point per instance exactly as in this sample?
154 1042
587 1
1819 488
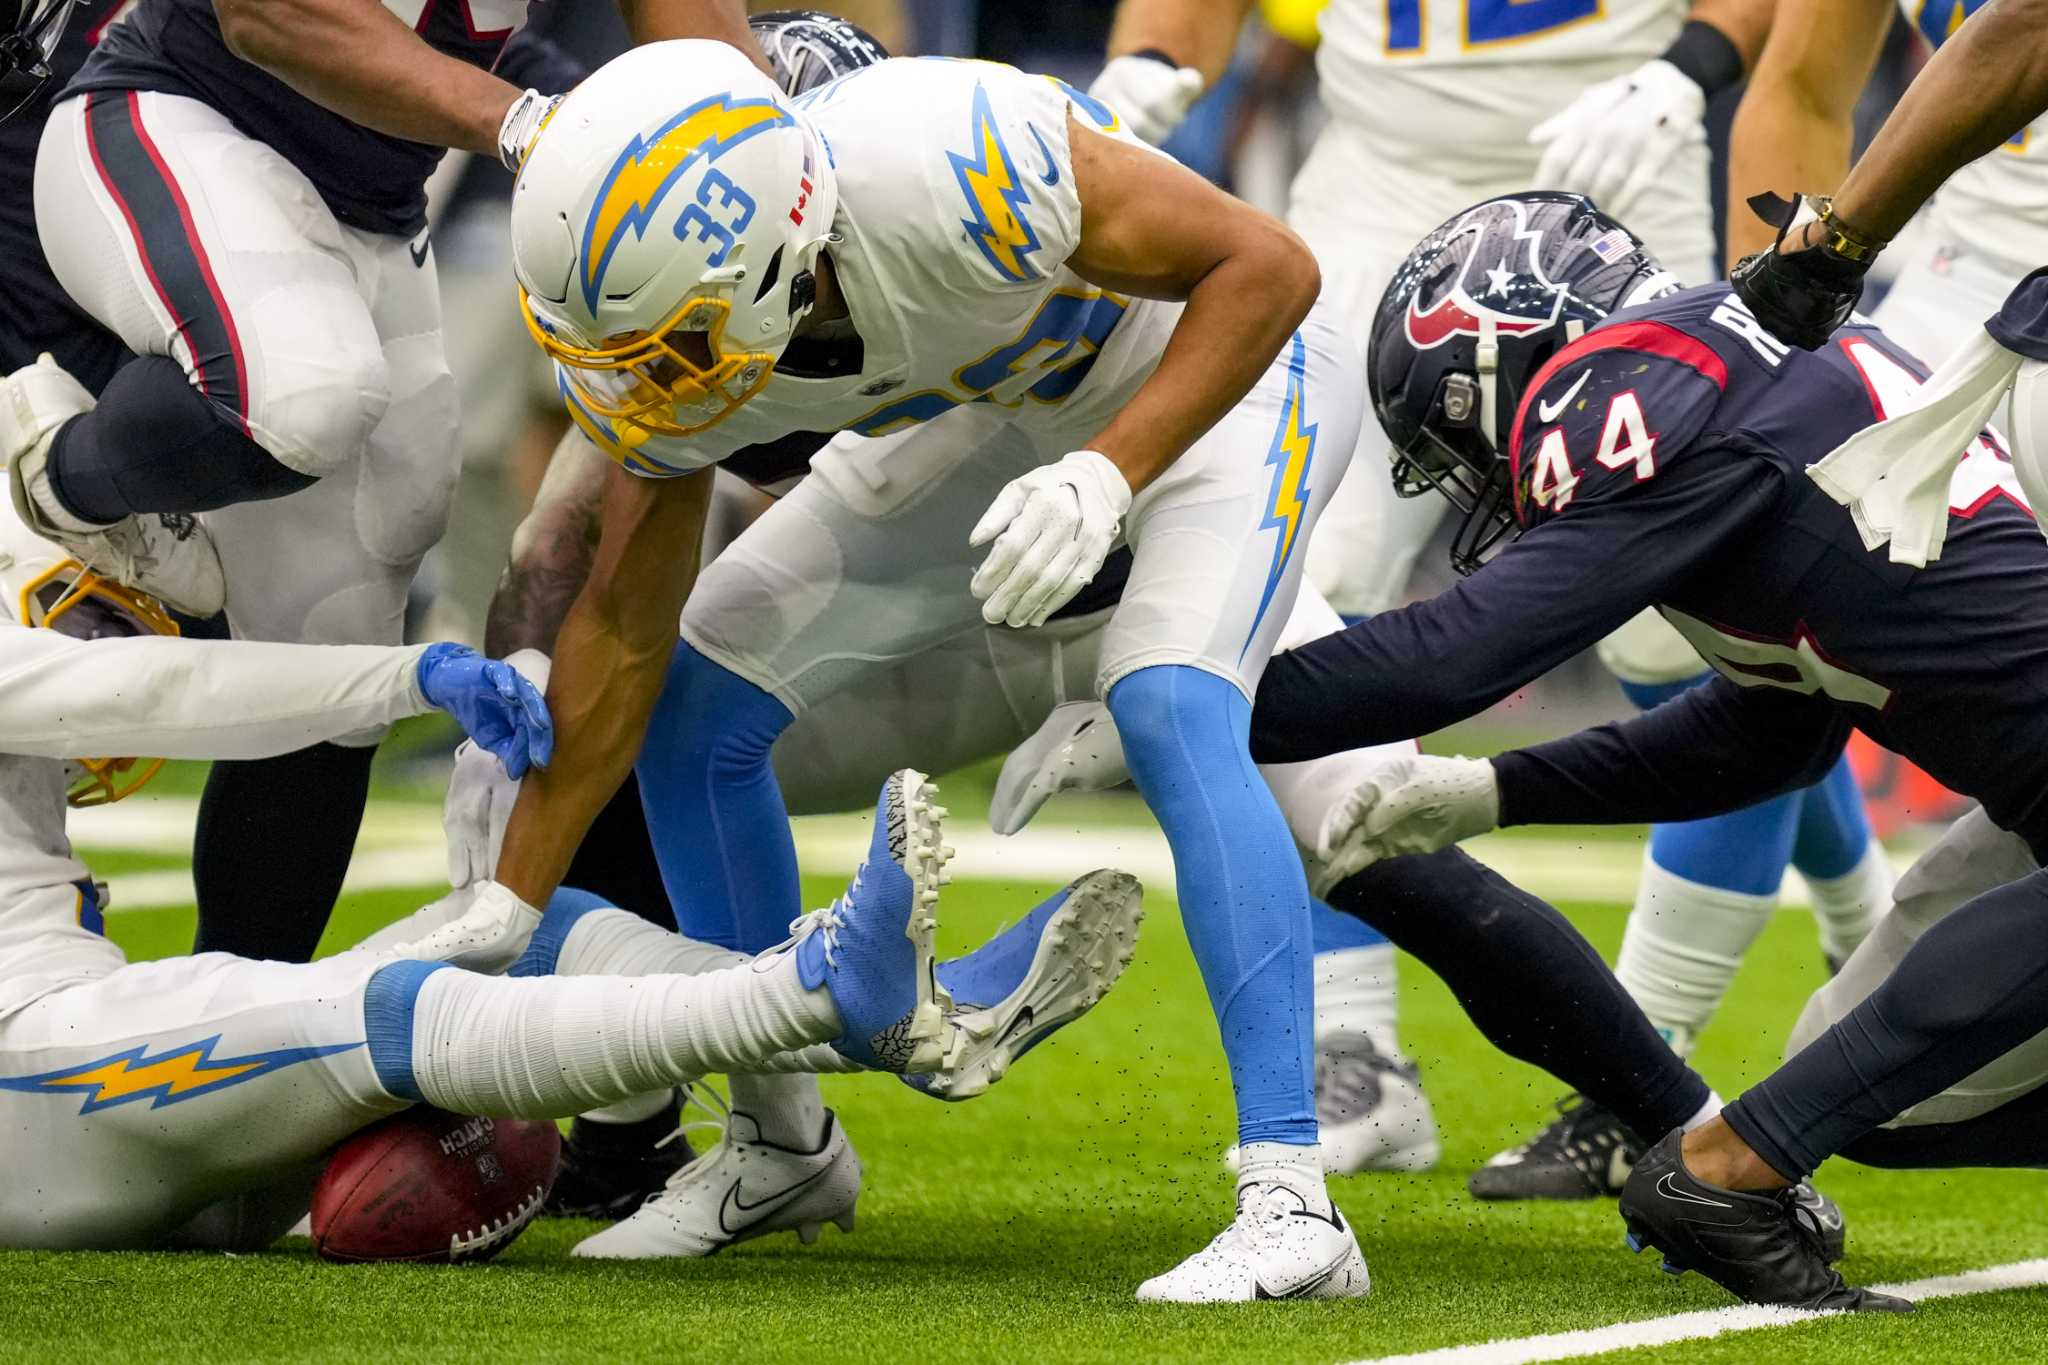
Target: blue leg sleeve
1745 850
1334 931
388 1003
720 830
1833 832
1243 898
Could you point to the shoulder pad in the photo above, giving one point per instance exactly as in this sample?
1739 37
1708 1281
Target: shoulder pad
1607 411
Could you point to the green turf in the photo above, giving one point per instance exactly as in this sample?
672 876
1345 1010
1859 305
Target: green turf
1014 1228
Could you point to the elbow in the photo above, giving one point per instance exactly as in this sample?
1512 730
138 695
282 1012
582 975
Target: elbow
1297 278
249 31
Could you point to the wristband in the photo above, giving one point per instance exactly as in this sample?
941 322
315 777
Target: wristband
1156 54
1706 55
1844 239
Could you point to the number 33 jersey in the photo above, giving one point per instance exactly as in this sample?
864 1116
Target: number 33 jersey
957 212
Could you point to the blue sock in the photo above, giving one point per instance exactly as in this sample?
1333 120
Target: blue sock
721 832
1334 931
1834 831
1243 898
1745 850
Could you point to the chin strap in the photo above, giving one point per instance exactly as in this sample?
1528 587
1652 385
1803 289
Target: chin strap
1486 361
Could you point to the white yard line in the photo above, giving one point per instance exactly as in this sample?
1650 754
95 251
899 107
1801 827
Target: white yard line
1712 1322
401 846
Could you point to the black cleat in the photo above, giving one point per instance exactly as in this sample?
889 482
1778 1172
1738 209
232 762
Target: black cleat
1822 1219
609 1169
1585 1153
1754 1245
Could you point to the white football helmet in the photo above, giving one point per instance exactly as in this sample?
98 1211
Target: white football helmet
665 227
41 585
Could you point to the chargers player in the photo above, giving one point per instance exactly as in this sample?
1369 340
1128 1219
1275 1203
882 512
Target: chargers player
790 282
267 1065
1651 447
1432 107
275 834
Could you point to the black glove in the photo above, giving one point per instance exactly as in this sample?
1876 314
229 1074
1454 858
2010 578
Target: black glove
1801 297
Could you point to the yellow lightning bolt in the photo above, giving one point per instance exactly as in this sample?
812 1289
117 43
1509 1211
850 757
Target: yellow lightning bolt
1293 451
647 168
121 1077
989 180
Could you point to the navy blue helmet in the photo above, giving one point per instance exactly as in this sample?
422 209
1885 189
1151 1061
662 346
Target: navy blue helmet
1469 318
808 47
29 30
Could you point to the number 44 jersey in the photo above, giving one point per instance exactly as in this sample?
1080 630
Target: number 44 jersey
1660 460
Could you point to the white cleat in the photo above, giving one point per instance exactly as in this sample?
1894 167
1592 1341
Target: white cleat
742 1188
1274 1249
167 555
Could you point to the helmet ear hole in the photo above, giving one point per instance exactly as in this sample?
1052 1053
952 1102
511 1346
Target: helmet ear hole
769 276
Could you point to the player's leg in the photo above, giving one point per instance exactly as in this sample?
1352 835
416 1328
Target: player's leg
259 368
1219 542
331 564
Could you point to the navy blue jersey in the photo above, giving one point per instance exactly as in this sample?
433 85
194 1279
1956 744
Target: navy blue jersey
1660 461
2021 322
369 181
39 315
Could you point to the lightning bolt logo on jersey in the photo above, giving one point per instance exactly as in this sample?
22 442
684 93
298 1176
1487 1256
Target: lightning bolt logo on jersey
171 1076
988 179
647 169
1292 455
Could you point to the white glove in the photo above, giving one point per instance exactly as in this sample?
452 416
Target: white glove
480 795
1417 803
1151 96
1613 140
1052 529
521 125
488 937
1077 749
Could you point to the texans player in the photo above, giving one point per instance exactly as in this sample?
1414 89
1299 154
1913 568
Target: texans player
1431 107
790 284
266 1065
274 834
1650 447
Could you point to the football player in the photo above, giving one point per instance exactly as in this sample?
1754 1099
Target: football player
1645 446
269 1064
790 285
1432 107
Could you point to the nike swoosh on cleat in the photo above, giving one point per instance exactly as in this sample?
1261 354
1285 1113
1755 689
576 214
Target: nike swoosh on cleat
1020 1025
1669 1189
419 255
1548 412
760 1207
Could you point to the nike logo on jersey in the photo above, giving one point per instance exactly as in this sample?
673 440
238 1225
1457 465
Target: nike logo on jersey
760 1208
1051 174
1549 412
1668 1187
420 248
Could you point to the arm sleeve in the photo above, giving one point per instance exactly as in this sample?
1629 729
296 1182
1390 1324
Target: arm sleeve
531 60
1553 593
172 698
1712 749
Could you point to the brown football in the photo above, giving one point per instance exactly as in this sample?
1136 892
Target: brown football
427 1185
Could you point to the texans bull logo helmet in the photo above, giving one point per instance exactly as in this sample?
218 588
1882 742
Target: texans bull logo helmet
1469 318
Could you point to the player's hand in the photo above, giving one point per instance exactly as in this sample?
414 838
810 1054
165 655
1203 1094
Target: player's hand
1798 288
475 813
488 937
1417 803
1151 95
500 710
521 125
1613 140
1052 529
1077 749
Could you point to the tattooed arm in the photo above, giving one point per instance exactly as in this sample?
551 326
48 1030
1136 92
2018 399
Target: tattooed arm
551 552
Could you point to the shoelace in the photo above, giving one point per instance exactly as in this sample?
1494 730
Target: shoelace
705 1096
828 921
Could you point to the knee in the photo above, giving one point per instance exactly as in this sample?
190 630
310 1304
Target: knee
710 717
1176 713
390 1002
322 424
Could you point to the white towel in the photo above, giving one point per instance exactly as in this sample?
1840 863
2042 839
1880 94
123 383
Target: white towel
1894 476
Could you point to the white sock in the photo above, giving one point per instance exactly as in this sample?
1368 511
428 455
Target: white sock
636 1109
1682 947
1846 906
1299 1169
789 1109
1709 1108
546 1047
1356 991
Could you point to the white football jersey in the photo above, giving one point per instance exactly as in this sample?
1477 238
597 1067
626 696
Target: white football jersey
1456 85
957 210
1997 206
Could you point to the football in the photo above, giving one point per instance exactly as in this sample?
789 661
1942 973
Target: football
427 1185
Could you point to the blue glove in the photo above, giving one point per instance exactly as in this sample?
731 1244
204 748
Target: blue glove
502 711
